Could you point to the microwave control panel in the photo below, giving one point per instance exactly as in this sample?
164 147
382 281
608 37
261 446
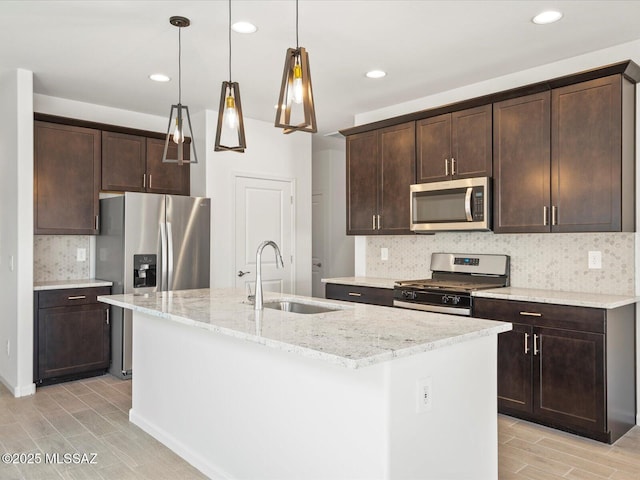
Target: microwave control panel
478 204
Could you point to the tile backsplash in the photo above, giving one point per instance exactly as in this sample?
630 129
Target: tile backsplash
54 257
548 261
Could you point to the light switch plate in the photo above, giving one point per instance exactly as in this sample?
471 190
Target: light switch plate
81 254
384 253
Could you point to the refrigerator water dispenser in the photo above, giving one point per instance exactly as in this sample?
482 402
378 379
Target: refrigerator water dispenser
144 270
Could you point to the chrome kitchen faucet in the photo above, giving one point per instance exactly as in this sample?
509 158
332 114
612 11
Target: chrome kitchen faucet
258 295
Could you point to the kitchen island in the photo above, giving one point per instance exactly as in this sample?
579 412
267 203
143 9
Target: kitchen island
358 391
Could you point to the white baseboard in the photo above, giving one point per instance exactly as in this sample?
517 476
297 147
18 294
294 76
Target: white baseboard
197 461
19 390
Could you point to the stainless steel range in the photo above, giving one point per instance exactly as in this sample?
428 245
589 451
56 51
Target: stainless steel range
454 276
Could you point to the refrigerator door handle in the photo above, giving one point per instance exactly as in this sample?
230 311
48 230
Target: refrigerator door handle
163 258
169 257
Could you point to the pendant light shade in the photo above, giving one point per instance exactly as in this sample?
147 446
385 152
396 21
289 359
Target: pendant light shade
230 129
179 132
296 110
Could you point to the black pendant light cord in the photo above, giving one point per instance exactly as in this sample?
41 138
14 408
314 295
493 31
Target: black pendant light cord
297 42
229 41
179 65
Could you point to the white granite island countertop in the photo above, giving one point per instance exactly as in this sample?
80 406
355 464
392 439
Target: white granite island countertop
575 299
353 335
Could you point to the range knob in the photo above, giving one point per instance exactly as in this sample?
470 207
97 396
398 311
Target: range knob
409 295
452 299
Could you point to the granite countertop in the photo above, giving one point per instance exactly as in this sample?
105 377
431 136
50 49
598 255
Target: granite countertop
63 284
362 281
576 299
353 335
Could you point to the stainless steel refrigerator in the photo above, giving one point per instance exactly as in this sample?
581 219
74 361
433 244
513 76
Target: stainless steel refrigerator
150 243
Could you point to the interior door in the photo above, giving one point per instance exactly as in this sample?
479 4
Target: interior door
264 211
317 244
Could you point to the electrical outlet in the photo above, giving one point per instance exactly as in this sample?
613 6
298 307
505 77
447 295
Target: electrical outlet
595 259
384 253
81 254
424 395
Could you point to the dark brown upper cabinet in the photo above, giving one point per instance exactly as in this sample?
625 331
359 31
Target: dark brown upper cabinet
522 164
133 163
124 159
454 145
168 178
380 169
66 179
592 156
563 160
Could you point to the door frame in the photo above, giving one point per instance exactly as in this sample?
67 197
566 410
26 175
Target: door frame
293 261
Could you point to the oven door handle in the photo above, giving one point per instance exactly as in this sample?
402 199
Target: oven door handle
467 204
433 308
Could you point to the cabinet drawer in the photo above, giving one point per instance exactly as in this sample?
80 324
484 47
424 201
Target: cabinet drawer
70 296
542 314
349 293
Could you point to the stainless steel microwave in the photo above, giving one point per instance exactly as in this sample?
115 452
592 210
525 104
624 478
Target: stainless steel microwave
463 204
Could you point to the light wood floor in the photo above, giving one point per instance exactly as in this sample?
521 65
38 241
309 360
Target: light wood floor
90 416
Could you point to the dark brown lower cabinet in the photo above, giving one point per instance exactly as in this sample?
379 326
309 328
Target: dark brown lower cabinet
71 334
567 367
355 293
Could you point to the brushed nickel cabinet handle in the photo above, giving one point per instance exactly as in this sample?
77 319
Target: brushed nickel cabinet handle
446 167
373 220
150 181
355 294
535 344
453 166
378 221
144 180
554 215
545 215
531 314
76 297
526 343
107 316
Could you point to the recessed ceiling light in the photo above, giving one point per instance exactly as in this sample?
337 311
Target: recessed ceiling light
244 27
376 74
159 77
549 16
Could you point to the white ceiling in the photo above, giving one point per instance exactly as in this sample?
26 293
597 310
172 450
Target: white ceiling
103 51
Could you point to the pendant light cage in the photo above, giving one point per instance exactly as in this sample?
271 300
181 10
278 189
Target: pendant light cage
230 128
230 105
296 70
178 141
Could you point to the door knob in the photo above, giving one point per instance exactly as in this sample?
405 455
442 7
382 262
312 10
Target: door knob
319 264
241 273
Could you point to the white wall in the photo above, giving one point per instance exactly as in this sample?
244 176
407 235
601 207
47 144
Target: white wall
329 179
16 231
269 153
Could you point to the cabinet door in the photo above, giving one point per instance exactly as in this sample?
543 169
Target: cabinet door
72 340
433 144
586 156
362 183
123 162
168 178
569 378
397 154
515 369
471 150
66 179
522 159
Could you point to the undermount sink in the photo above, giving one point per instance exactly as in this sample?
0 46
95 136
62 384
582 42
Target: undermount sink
297 307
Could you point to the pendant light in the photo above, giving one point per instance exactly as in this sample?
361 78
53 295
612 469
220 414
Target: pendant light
296 110
230 128
176 129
